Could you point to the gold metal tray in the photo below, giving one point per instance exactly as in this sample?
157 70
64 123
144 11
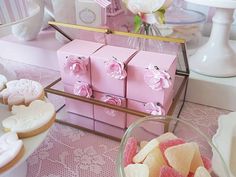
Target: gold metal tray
180 88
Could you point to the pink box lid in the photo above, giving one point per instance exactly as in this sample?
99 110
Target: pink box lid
144 58
108 52
81 47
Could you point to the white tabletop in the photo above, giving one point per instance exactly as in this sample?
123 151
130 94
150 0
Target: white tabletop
229 4
30 144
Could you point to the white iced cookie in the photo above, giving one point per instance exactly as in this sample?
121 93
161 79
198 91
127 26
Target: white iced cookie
3 81
30 121
11 150
23 91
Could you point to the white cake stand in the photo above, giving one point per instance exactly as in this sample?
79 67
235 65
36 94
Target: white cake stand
30 145
216 58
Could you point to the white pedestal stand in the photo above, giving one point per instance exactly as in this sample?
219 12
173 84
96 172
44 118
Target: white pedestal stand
216 58
30 145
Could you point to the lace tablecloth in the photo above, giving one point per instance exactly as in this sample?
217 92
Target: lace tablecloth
69 152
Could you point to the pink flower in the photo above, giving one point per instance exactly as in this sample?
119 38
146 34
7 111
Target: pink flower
156 78
155 109
115 69
83 89
76 65
111 100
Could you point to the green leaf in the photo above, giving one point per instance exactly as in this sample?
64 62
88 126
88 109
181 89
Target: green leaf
137 23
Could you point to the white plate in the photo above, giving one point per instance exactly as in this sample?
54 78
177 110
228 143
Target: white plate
225 141
30 144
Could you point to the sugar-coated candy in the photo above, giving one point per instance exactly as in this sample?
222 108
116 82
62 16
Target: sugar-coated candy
165 156
154 161
167 171
137 170
130 150
207 163
180 157
142 144
191 174
202 172
167 136
197 159
141 155
166 144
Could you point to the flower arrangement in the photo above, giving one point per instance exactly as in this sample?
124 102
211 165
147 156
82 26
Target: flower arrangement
149 11
148 14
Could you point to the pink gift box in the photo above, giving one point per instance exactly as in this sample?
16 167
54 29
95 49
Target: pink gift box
74 61
140 106
77 107
79 120
109 129
108 69
110 116
151 77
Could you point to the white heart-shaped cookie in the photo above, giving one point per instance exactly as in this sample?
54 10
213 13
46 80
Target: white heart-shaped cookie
31 120
11 150
22 91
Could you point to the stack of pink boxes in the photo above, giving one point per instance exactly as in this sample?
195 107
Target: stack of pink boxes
125 77
75 67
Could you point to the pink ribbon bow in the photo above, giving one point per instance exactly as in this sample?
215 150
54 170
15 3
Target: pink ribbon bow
103 3
115 69
156 78
83 89
111 100
155 109
76 65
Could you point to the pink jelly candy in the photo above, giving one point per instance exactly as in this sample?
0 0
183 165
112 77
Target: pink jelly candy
167 171
166 144
207 163
191 174
130 151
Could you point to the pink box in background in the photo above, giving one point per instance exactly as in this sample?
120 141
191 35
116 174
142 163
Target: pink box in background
109 129
151 77
110 116
108 69
150 108
74 61
77 107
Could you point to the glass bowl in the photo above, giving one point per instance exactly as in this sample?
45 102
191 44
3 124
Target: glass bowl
144 130
24 11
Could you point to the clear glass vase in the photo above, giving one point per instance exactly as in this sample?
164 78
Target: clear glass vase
147 44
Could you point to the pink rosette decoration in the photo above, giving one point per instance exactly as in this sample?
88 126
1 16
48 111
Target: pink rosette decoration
115 69
156 78
155 109
76 65
83 89
111 100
